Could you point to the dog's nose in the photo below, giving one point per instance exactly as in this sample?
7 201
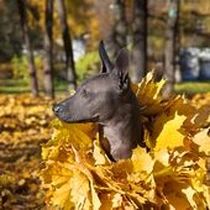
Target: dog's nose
57 108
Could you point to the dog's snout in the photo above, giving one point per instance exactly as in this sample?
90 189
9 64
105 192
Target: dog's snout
57 108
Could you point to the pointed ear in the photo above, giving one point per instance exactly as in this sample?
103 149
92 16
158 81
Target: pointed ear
121 68
107 66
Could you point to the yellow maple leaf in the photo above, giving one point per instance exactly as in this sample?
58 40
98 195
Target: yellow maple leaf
106 201
166 131
99 154
72 186
71 190
58 176
203 140
80 191
176 199
59 147
117 200
179 179
142 161
202 118
148 94
170 175
194 198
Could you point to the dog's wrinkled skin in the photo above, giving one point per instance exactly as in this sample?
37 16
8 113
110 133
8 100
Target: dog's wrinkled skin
108 100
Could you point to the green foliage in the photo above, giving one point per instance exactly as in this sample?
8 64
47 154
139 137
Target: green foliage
20 67
12 86
88 64
192 87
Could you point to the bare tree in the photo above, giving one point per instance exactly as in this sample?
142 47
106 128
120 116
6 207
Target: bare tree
71 74
139 30
170 45
25 30
117 38
48 46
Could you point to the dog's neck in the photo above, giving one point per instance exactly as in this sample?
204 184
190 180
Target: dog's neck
123 131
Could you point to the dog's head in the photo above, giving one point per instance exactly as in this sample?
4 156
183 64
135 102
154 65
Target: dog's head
97 99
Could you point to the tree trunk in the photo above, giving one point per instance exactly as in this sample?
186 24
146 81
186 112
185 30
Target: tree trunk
70 67
48 46
170 46
118 34
25 30
139 29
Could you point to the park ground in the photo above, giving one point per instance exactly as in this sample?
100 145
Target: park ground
25 126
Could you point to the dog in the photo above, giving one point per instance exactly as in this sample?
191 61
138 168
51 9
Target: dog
107 99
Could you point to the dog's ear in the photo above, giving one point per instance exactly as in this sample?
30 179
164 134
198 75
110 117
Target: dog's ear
106 66
120 71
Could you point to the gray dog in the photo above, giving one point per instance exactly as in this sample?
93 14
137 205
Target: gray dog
108 100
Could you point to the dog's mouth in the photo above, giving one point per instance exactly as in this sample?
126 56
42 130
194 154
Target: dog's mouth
69 120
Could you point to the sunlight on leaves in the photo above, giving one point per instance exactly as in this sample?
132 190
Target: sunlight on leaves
169 175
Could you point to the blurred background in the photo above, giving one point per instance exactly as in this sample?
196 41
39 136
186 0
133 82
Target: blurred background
48 47
52 44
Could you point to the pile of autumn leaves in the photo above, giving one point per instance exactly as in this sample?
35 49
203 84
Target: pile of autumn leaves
171 175
24 126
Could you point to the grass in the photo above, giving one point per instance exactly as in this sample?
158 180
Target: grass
15 86
192 87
